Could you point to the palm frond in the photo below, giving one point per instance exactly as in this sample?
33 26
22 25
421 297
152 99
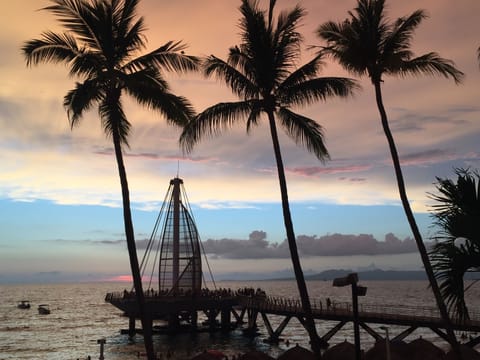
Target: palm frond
113 119
311 91
79 17
169 56
287 41
51 47
450 266
213 121
429 64
87 65
238 82
81 99
254 116
129 27
152 91
400 36
305 72
457 214
305 132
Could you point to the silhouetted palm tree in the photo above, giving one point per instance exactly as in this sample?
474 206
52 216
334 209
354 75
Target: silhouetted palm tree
262 72
457 250
101 46
368 44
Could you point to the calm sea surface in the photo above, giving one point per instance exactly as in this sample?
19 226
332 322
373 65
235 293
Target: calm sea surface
80 317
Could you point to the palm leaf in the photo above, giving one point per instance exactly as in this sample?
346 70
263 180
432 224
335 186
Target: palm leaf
213 121
401 34
113 119
152 91
51 47
240 84
305 132
428 64
81 99
311 91
457 214
79 17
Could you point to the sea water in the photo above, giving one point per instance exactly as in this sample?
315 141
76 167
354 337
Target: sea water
80 317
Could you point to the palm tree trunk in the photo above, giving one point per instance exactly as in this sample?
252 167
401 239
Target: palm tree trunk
292 244
412 222
132 251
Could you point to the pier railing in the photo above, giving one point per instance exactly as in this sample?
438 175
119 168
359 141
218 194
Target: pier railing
320 308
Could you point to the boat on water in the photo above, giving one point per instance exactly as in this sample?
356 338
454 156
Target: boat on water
43 309
23 304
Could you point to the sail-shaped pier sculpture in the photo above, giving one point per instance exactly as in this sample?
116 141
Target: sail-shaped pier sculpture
172 273
180 263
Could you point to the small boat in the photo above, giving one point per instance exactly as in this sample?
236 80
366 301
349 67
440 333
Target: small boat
43 309
23 304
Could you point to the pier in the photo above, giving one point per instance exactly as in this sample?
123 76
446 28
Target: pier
226 310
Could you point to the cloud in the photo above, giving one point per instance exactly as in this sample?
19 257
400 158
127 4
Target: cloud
427 157
318 170
412 122
257 247
434 156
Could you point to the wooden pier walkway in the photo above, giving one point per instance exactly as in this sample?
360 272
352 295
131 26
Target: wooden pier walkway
236 309
342 313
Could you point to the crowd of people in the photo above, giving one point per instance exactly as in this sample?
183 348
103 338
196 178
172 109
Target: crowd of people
205 292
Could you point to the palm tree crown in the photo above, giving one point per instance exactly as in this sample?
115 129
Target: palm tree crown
367 44
101 46
263 72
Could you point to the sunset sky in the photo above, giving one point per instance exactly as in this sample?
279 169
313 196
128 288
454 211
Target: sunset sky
60 199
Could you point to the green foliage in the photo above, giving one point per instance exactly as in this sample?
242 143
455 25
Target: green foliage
457 248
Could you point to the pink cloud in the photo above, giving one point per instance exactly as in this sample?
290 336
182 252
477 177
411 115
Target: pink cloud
318 170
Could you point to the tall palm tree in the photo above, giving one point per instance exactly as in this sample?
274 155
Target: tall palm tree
457 248
367 44
262 72
102 46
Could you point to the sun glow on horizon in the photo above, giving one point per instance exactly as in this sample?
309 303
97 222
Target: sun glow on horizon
121 278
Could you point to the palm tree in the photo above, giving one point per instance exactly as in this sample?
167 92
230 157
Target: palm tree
457 247
368 44
262 72
101 46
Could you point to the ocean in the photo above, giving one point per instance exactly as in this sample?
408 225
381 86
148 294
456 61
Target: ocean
80 317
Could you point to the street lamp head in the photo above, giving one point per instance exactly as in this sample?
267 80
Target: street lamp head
350 279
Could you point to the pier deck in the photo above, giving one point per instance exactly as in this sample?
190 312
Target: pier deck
213 304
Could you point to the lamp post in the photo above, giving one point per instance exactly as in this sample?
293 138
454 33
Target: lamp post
352 279
387 342
102 343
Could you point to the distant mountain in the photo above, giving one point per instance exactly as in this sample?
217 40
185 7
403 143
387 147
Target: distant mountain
328 275
376 274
